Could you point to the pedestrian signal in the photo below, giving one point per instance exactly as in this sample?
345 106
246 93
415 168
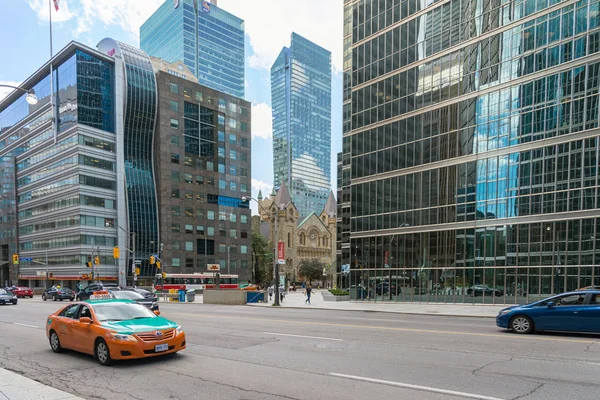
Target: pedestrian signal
158 265
152 260
116 252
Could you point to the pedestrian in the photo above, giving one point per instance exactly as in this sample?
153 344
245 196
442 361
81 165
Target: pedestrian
271 290
281 293
308 293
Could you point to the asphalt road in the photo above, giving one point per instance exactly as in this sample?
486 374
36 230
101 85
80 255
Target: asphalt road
268 353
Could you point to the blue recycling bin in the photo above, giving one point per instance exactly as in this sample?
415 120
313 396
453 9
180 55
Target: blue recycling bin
182 296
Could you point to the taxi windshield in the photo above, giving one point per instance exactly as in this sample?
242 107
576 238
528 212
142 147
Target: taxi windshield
121 312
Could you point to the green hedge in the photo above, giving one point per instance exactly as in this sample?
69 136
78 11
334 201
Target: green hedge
338 292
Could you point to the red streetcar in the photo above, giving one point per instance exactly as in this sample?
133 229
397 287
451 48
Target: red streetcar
200 281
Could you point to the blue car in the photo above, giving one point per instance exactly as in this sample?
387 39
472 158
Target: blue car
571 312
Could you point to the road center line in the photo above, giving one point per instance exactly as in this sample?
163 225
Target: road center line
302 336
503 335
416 387
29 326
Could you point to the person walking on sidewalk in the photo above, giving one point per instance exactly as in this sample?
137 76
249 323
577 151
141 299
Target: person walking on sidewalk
281 293
308 293
271 290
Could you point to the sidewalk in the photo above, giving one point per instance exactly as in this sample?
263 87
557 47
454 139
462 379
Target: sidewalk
296 300
16 387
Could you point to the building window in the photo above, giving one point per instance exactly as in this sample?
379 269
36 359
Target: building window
289 240
233 170
244 111
302 239
189 228
221 119
175 245
244 264
210 231
176 262
221 136
187 92
233 233
175 140
174 175
189 246
244 234
174 158
210 215
232 217
244 142
325 241
244 219
221 168
200 197
232 138
243 126
189 263
222 184
244 172
233 107
199 96
244 249
200 229
174 106
188 161
175 210
222 232
232 186
188 178
243 188
233 154
232 123
174 123
199 180
244 156
175 193
200 214
174 88
189 195
189 212
210 166
175 228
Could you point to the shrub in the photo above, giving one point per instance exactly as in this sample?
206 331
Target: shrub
338 292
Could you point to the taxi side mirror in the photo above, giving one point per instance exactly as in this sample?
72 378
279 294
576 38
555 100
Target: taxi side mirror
85 320
550 304
156 312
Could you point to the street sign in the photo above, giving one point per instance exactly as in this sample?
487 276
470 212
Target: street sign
280 253
282 280
346 269
25 259
213 267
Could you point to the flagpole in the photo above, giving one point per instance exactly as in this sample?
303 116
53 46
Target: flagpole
54 130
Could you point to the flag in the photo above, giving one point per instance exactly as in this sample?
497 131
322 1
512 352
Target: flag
56 5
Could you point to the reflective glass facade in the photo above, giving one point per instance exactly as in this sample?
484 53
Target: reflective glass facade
301 103
48 176
471 149
208 39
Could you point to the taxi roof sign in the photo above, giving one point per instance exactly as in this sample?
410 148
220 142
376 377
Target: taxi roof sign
103 295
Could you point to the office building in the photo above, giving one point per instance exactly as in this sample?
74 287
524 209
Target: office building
208 39
301 103
471 143
80 173
203 154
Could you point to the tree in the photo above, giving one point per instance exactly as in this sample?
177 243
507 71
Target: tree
263 257
311 269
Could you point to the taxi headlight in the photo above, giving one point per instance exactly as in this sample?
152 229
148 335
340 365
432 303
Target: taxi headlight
179 330
120 336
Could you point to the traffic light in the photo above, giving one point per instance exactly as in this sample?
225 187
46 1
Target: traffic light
15 259
158 265
164 275
137 271
116 252
89 262
152 260
97 260
51 275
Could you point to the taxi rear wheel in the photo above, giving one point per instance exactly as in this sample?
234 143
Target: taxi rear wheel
55 342
102 352
44 297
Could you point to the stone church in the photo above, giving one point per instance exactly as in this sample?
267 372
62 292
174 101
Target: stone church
313 237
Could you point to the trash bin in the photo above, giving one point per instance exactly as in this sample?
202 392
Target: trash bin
182 296
191 295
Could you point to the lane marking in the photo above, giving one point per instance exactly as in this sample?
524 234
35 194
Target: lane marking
506 335
417 387
28 326
302 336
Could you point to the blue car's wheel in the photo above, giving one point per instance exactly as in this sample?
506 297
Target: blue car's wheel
521 324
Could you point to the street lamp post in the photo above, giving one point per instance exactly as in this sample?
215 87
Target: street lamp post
275 263
31 98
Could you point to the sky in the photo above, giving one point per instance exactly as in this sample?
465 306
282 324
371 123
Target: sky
25 46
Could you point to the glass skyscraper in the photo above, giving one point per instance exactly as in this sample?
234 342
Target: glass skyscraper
301 103
208 39
471 149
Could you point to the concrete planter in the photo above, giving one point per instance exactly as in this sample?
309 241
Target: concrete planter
228 297
327 296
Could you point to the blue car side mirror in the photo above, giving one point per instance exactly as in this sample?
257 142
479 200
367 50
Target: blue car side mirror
550 304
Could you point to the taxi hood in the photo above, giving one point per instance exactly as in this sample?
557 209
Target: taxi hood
139 325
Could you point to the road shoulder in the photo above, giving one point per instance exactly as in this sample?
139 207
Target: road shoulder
17 387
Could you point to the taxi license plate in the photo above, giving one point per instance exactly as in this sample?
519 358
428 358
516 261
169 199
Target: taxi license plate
161 347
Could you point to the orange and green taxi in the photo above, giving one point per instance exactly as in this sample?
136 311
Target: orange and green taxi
112 329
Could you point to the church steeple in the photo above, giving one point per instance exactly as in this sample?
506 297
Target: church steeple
260 197
331 206
283 196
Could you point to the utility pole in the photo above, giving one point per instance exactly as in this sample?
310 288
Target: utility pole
275 261
228 259
133 261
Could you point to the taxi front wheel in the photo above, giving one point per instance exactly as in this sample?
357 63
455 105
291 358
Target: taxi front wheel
102 352
55 342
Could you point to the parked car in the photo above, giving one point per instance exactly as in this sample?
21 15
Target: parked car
146 293
577 311
480 290
21 291
7 297
95 287
128 294
59 293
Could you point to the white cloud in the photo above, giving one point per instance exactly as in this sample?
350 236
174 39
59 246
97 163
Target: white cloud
320 21
41 9
258 185
262 121
4 91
